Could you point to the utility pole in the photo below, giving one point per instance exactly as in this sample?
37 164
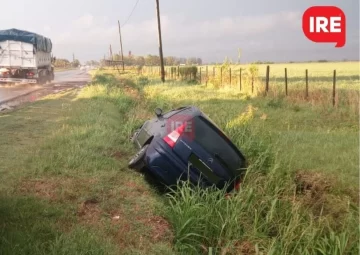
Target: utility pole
73 57
121 48
160 43
111 55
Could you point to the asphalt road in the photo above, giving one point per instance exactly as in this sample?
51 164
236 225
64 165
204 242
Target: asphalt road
8 92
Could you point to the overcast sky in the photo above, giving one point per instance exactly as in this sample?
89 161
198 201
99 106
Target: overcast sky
264 30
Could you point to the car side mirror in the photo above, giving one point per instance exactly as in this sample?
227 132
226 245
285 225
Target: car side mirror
158 112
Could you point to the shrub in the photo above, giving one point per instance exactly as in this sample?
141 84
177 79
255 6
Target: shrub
188 72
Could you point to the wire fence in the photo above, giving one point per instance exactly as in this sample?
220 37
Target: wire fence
310 85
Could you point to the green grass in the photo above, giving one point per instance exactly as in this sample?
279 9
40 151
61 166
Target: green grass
307 201
273 213
64 179
65 176
320 80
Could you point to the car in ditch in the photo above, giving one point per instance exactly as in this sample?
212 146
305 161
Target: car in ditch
185 144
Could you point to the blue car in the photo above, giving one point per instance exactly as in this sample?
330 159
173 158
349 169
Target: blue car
185 144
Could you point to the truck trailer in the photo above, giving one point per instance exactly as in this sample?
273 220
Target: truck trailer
25 57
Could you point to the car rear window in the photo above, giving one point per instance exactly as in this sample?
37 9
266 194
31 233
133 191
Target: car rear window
210 138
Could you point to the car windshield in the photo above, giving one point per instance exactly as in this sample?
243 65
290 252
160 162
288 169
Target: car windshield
214 143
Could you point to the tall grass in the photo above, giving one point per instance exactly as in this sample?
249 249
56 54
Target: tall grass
273 213
266 216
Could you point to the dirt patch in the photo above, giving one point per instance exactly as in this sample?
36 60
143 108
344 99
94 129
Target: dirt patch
160 228
46 189
240 248
314 183
135 187
89 211
131 92
118 155
55 189
314 191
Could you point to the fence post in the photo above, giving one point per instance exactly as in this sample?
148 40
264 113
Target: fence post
178 71
213 71
286 82
267 80
207 77
240 78
307 85
334 89
200 74
230 76
220 76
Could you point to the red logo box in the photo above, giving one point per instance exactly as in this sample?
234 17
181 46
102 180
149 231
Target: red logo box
325 24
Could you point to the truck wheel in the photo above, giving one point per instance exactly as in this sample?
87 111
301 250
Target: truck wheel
48 78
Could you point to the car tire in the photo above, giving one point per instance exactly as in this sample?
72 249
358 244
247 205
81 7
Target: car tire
132 138
137 161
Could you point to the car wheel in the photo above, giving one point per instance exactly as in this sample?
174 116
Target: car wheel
137 161
132 138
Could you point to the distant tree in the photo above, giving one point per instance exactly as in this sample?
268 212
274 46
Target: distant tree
191 61
116 57
199 61
152 60
170 61
182 61
92 63
140 61
61 62
75 63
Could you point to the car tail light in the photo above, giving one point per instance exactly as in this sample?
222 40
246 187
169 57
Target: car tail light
172 138
237 185
30 74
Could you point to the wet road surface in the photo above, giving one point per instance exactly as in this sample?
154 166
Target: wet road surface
8 92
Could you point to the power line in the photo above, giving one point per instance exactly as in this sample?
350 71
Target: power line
130 13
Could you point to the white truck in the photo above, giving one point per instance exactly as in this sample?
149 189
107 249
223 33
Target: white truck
25 57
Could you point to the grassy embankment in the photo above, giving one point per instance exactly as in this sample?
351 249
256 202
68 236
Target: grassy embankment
65 186
65 182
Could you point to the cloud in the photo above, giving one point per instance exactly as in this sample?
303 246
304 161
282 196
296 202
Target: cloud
210 39
47 28
85 21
